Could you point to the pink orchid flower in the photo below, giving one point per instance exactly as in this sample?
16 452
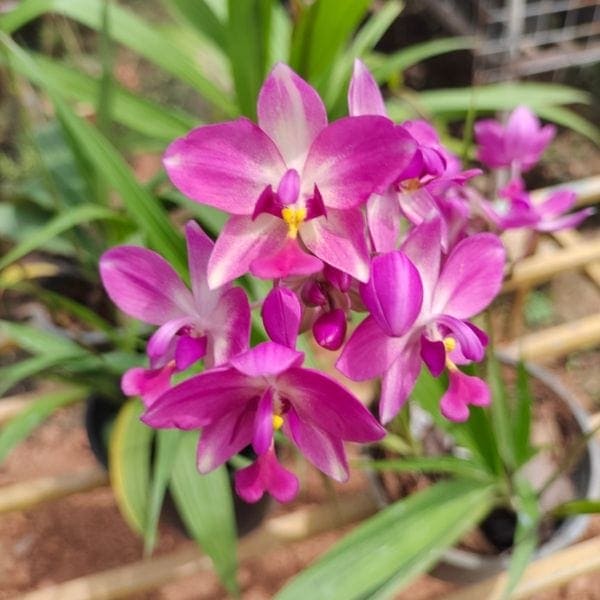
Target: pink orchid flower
517 210
193 324
519 144
291 183
419 304
418 193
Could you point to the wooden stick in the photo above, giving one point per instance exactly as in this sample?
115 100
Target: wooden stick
557 341
542 267
543 574
569 238
11 406
144 575
29 493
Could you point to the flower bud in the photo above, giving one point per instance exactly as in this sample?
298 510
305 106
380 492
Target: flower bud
330 329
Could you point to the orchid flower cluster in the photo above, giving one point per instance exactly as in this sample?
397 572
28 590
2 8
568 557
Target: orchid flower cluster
356 216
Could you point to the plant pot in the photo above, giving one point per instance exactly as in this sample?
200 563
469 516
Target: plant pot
100 414
463 566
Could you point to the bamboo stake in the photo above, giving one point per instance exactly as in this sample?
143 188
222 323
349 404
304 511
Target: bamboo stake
557 341
569 238
543 574
541 267
29 493
144 575
11 406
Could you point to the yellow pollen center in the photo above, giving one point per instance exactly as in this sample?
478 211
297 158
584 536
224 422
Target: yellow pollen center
449 344
277 422
294 217
411 185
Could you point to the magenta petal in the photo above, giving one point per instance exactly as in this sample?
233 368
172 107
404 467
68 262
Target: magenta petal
339 239
223 438
281 313
383 219
266 475
329 330
287 260
240 242
364 97
398 382
202 399
566 222
199 247
462 391
557 203
226 165
368 352
189 350
433 354
228 330
322 449
162 342
144 285
291 112
469 342
355 157
149 384
489 135
267 358
263 423
338 279
321 401
423 247
471 276
394 293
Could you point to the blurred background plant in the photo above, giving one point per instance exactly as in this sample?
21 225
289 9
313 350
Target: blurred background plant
92 91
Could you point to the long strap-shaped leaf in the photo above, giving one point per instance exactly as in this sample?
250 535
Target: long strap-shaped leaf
394 546
142 207
205 505
126 28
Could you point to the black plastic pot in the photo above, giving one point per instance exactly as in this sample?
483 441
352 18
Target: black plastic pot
463 566
100 414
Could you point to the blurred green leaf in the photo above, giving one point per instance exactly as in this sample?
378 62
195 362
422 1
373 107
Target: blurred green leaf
127 29
248 31
384 67
20 426
59 224
206 507
39 341
167 445
502 421
577 507
202 18
141 205
129 452
522 417
568 118
397 544
431 464
132 110
526 537
320 34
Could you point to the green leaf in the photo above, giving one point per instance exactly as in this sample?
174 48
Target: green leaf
140 114
202 18
522 417
141 205
38 341
456 102
395 545
321 33
568 118
577 507
20 426
366 38
431 464
127 29
59 224
206 507
167 445
129 464
248 44
383 67
526 537
501 413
